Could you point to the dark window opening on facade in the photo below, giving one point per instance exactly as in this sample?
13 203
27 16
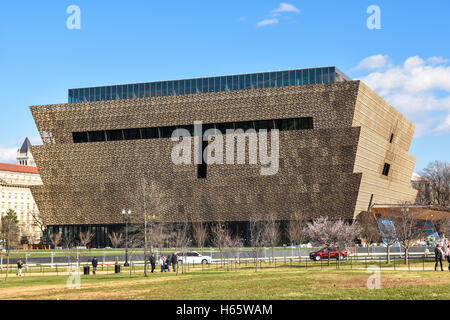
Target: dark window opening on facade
96 136
166 132
79 137
202 167
386 168
392 138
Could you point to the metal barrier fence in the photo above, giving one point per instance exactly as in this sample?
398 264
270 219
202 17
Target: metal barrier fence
415 263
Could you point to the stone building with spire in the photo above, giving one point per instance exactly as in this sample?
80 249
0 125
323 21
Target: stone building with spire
15 194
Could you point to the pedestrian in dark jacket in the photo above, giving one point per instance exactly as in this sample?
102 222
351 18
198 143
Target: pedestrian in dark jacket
152 261
19 267
168 261
438 256
94 265
174 262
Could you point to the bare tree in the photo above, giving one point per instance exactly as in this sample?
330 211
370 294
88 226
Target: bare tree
28 234
408 228
182 239
160 235
331 233
72 255
86 238
148 208
234 245
257 239
445 227
369 229
387 232
9 233
272 233
55 239
434 187
38 223
200 234
296 229
116 239
221 236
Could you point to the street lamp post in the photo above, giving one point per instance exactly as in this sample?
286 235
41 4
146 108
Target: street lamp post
126 217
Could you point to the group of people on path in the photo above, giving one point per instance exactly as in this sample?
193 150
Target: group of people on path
440 253
165 262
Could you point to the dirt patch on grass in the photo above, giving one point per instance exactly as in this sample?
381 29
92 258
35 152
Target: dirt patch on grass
352 281
101 290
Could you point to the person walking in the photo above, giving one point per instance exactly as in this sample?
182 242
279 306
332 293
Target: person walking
447 253
438 256
168 261
19 267
162 262
174 262
152 261
94 265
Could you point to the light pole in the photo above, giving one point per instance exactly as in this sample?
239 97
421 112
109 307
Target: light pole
126 217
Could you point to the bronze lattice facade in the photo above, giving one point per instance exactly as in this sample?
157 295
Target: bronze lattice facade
333 169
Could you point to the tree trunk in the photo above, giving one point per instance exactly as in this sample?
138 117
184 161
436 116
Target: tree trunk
388 254
273 257
145 263
328 257
406 255
7 265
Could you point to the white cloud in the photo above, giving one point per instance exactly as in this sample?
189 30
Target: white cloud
437 60
418 88
267 22
283 8
36 140
444 127
374 62
8 154
286 7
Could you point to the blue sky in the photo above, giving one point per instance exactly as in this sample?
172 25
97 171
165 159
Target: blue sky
136 41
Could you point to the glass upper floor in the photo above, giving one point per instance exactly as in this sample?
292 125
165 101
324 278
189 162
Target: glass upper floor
211 84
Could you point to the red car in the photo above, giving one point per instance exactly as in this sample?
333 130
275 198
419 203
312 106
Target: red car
323 254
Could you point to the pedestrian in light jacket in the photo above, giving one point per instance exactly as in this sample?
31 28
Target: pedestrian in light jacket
162 262
447 253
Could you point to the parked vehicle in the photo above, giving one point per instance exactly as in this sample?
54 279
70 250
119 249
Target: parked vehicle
193 257
323 254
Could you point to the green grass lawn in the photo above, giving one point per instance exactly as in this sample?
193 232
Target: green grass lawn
268 283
